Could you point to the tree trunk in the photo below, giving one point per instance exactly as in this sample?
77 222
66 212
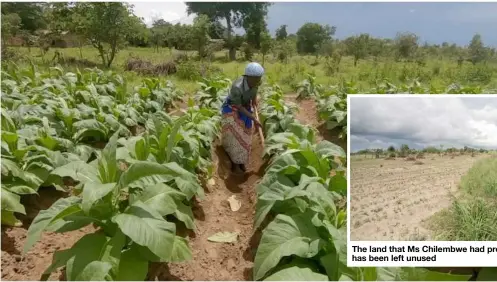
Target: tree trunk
102 55
112 55
232 49
80 49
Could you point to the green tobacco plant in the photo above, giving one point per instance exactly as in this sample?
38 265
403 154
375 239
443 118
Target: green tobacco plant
308 88
332 109
276 116
157 95
128 210
204 125
294 137
299 189
86 106
212 92
304 189
26 165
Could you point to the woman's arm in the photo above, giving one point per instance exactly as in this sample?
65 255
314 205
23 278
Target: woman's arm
244 111
236 101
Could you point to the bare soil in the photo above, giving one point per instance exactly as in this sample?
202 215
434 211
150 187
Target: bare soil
15 265
392 199
223 261
308 114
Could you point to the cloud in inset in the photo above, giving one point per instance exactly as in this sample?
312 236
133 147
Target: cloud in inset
378 122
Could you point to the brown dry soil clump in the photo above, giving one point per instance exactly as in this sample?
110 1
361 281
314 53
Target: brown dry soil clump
210 260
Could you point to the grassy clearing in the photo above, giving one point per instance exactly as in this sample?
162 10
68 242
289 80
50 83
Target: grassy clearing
367 75
473 215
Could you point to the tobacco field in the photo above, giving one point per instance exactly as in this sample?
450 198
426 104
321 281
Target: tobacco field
140 189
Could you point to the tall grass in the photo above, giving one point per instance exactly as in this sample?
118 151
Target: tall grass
368 74
481 179
472 217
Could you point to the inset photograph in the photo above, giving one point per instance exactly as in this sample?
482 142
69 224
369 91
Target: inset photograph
423 168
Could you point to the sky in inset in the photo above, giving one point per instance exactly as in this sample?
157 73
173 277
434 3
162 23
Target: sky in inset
378 122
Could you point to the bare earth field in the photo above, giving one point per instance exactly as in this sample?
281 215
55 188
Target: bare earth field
392 199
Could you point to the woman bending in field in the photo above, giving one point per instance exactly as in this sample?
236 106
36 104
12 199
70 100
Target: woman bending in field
237 116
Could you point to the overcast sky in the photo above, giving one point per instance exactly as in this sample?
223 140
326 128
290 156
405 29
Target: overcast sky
378 122
434 22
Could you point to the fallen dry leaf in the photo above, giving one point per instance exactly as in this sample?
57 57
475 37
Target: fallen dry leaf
235 204
224 237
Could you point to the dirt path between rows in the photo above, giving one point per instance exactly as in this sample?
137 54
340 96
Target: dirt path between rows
308 114
229 261
393 199
223 261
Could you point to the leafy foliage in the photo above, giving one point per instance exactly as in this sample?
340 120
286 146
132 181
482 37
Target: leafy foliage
304 189
213 92
308 88
332 108
50 122
276 116
128 208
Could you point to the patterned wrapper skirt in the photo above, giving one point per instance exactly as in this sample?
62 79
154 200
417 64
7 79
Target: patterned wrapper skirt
236 133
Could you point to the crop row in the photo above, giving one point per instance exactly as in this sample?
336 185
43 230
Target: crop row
301 206
133 191
309 86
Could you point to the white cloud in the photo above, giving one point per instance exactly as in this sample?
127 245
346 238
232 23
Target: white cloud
174 12
423 121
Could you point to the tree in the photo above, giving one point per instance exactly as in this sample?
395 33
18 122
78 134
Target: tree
181 37
407 44
284 50
162 34
157 37
266 44
106 25
378 153
310 36
377 47
217 30
63 17
327 49
357 46
281 33
31 14
391 149
476 49
160 23
404 150
11 24
200 34
232 12
254 23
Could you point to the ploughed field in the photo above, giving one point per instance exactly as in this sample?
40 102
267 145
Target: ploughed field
392 199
